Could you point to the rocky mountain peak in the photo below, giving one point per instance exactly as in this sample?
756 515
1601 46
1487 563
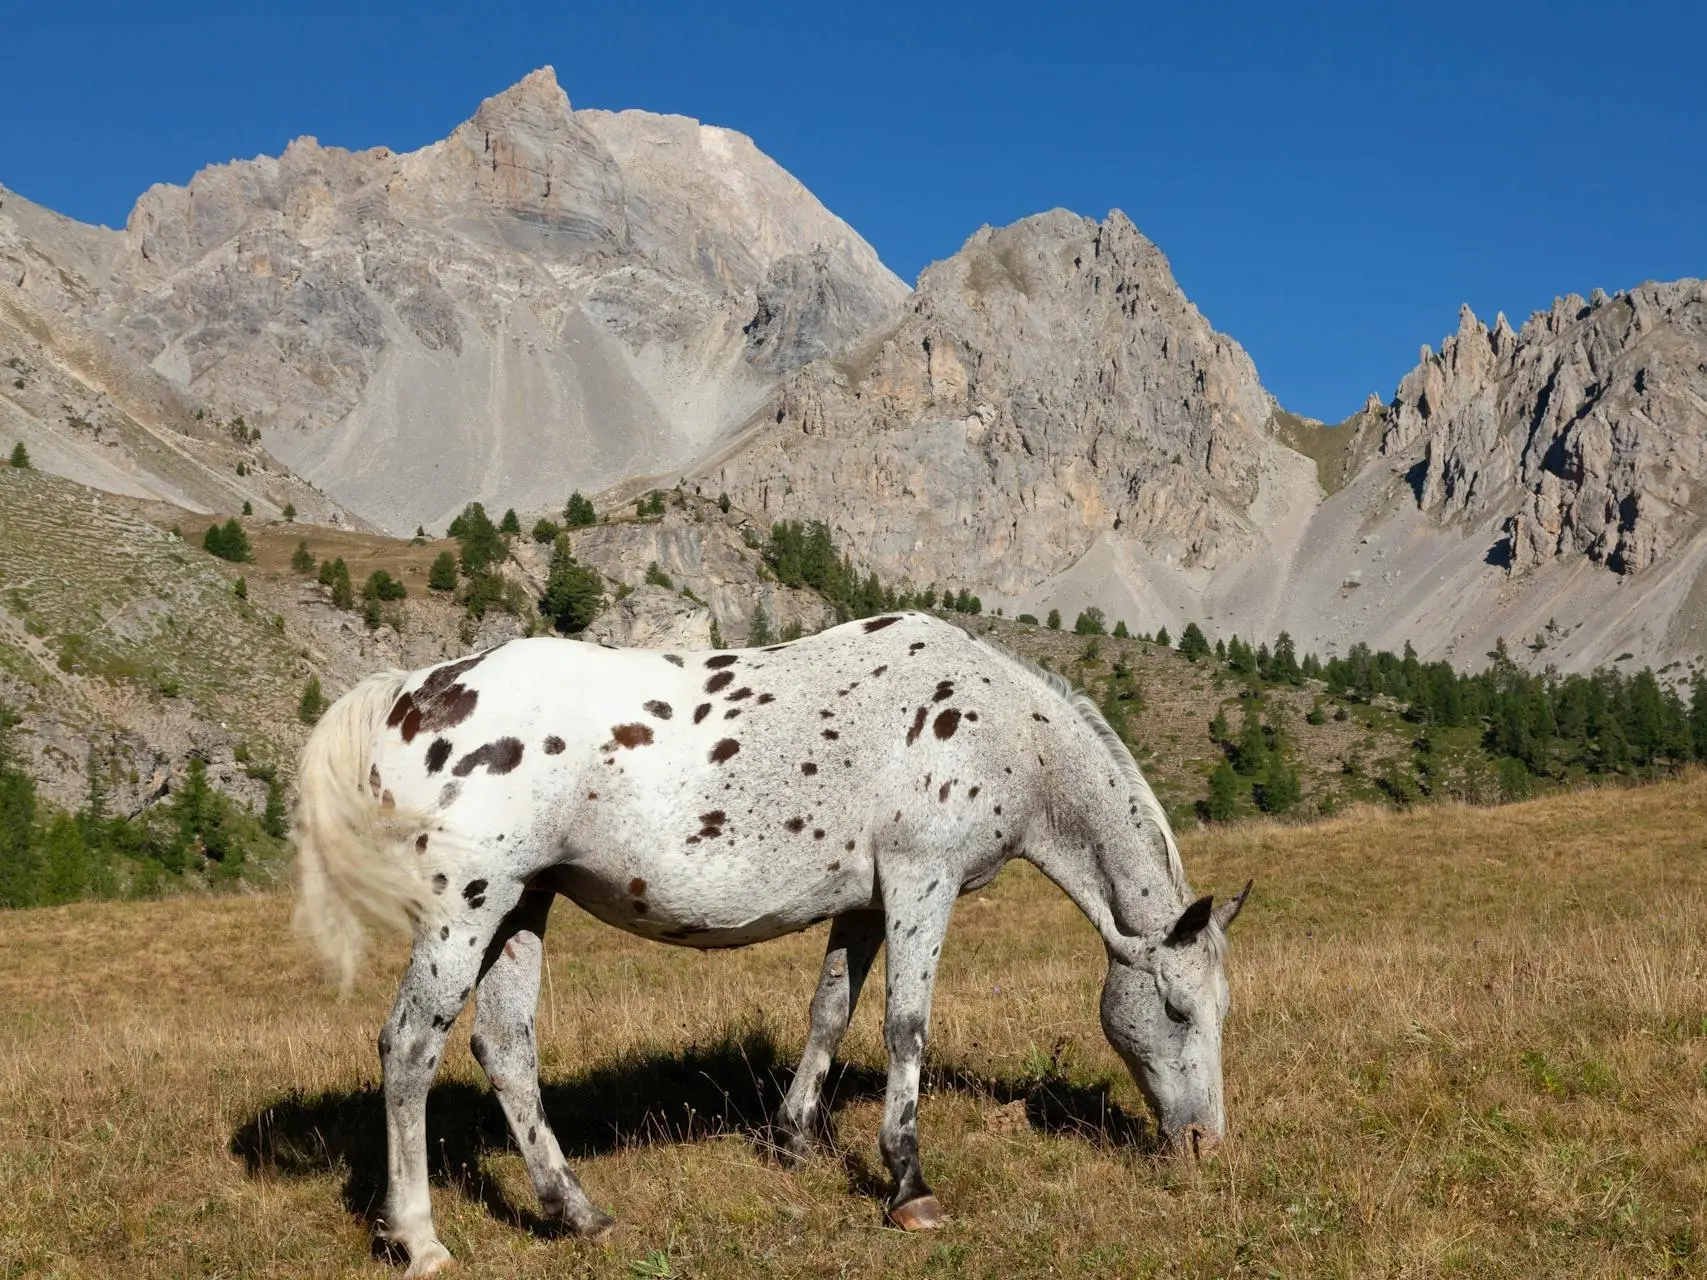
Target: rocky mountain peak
1582 428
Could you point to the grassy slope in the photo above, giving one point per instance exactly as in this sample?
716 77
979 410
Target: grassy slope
92 587
1464 1042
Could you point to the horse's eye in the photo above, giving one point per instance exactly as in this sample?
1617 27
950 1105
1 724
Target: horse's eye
1174 1015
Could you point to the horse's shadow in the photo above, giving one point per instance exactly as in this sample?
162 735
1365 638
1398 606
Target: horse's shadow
731 1087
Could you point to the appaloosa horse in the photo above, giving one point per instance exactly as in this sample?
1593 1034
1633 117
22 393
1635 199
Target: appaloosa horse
867 776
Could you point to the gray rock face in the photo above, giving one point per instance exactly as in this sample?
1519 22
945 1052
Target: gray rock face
1046 385
545 300
1583 430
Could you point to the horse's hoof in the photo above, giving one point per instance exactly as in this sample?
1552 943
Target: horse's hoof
595 1226
923 1214
430 1261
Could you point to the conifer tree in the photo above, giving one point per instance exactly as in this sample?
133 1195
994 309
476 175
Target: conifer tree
313 702
442 576
20 456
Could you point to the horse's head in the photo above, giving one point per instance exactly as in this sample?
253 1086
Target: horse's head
1162 1010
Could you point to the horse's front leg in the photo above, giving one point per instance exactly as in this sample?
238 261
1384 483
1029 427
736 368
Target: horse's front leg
504 1044
442 972
854 940
916 908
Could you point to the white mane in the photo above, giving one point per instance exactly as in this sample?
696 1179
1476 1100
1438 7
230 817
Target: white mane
1088 711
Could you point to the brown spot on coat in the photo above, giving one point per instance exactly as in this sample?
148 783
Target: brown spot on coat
742 692
972 716
834 866
387 801
942 792
796 825
721 660
554 745
499 758
1040 717
674 658
701 712
722 680
636 886
877 624
809 768
818 833
831 734
944 689
437 754
631 735
918 726
877 671
421 843
973 793
662 710
915 646
766 697
373 780
946 723
723 750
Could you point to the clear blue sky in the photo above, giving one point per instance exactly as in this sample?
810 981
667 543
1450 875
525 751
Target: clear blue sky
1330 181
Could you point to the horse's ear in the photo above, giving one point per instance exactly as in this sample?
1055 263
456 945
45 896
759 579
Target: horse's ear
1228 911
1191 922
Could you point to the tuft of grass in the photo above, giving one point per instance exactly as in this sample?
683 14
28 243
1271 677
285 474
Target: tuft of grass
1463 1042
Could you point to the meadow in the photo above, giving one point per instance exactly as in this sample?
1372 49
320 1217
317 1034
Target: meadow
1464 1041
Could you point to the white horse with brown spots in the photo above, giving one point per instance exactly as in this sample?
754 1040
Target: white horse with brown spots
867 776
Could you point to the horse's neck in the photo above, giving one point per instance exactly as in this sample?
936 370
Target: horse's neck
1110 861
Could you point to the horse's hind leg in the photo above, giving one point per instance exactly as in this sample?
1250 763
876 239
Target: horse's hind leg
504 1045
916 905
854 940
442 971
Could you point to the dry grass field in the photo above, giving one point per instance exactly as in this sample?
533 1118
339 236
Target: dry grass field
1464 1042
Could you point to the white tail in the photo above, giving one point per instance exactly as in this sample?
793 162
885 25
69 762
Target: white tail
344 841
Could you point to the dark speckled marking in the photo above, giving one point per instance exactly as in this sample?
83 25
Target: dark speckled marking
834 866
973 793
373 780
809 768
739 694
499 758
877 624
421 843
473 889
722 680
723 750
946 723
387 801
942 792
972 716
674 658
632 735
766 697
440 882
636 887
796 825
701 712
877 671
818 833
554 745
915 646
1040 717
831 735
721 660
437 754
918 726
944 690
662 710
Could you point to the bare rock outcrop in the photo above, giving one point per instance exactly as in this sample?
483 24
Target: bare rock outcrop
1047 384
1582 430
545 300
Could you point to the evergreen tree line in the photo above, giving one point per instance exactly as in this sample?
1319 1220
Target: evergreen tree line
1600 722
49 856
805 555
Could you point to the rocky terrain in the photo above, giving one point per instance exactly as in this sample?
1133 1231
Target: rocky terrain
1050 421
547 299
552 299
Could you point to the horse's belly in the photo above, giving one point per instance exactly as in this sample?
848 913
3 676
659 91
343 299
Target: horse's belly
699 912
